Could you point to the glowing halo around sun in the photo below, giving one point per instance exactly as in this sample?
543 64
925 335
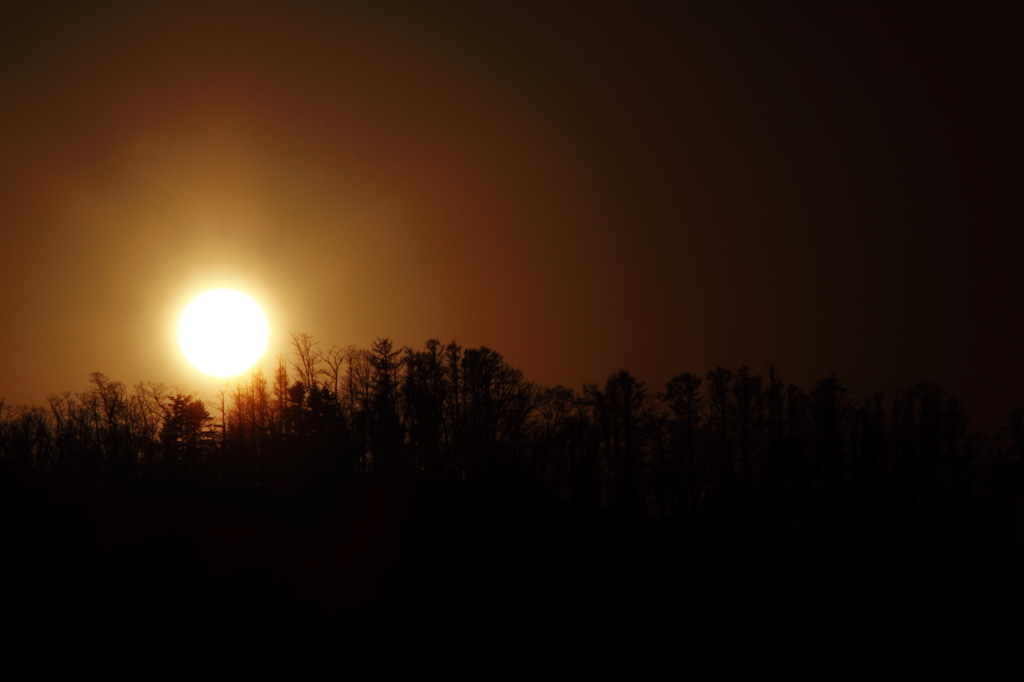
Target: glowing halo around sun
223 332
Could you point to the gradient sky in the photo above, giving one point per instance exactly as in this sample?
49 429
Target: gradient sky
584 188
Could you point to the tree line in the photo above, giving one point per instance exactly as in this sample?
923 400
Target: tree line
730 447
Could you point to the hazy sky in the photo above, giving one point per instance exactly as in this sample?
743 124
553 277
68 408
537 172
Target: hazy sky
584 188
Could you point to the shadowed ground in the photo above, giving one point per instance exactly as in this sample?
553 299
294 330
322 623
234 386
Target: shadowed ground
374 563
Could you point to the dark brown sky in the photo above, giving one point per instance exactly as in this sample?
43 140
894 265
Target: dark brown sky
584 188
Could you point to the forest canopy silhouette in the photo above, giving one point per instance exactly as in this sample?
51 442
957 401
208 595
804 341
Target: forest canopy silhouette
413 494
733 445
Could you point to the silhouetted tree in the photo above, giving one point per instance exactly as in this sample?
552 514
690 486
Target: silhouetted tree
281 423
624 422
147 420
686 404
746 399
187 436
773 452
829 411
307 358
550 457
386 437
27 438
422 404
333 375
721 416
868 443
318 441
956 423
454 422
499 402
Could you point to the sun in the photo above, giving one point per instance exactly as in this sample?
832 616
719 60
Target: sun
223 332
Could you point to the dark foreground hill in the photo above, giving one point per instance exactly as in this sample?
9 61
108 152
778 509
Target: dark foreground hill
371 564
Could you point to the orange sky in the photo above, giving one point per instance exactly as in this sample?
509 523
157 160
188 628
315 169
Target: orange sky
635 188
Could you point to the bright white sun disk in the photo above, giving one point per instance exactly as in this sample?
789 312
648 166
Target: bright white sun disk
223 332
